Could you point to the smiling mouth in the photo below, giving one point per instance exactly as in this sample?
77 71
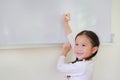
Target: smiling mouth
79 54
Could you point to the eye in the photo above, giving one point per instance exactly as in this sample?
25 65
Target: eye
83 45
76 44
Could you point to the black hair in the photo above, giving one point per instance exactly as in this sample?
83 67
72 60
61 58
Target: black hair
93 39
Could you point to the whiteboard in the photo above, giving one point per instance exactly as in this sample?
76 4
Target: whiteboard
41 21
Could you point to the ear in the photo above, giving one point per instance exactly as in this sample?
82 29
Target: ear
94 49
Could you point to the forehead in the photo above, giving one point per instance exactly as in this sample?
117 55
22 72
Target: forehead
83 38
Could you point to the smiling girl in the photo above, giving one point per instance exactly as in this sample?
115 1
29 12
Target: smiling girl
85 46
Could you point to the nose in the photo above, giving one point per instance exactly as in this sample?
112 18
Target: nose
79 48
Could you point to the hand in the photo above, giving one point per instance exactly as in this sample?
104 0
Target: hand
66 48
67 17
66 23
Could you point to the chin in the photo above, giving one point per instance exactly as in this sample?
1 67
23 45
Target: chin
79 57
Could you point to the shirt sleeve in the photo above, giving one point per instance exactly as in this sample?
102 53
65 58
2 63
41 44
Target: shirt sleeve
64 67
71 39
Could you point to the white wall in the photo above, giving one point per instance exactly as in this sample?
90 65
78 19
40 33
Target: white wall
30 64
40 63
116 20
107 63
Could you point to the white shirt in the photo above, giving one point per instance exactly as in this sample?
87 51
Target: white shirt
81 70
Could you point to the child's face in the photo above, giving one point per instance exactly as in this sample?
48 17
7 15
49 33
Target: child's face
83 47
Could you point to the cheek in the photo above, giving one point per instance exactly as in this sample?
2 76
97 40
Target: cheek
75 50
88 52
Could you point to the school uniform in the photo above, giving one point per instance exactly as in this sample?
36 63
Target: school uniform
80 70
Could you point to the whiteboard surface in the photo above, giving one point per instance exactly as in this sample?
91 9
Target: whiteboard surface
41 21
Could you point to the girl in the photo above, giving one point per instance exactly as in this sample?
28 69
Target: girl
85 47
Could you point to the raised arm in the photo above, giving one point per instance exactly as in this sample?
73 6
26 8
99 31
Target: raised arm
66 49
66 23
68 29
